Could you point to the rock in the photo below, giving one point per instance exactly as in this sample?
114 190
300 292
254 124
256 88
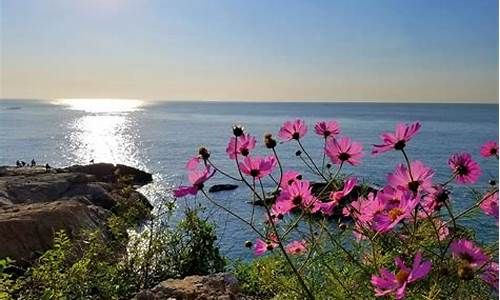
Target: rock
217 286
222 187
35 203
26 229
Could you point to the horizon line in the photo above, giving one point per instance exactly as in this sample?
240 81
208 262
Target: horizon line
424 101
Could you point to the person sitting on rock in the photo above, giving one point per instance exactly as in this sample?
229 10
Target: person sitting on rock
47 167
23 164
33 162
18 163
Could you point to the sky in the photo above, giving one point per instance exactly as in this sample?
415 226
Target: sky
356 50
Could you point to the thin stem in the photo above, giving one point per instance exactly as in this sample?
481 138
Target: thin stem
312 161
407 163
222 172
324 154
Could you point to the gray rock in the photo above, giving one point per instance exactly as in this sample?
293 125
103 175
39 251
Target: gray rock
222 187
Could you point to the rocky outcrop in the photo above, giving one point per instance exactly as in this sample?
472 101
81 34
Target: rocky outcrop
221 286
36 202
222 187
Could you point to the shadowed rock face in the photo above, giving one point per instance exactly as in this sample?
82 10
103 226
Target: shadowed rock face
35 203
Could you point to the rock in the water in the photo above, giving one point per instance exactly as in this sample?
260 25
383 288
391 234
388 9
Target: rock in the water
27 229
222 187
222 286
36 202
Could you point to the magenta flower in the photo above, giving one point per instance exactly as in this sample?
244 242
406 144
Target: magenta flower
464 168
490 204
469 253
335 197
258 167
392 215
327 128
490 275
420 178
293 130
193 162
388 283
344 150
261 247
296 247
397 140
197 178
290 177
245 143
298 194
490 148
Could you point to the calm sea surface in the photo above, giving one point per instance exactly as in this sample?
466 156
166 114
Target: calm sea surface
161 136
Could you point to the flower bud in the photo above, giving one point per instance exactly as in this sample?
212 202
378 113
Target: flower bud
248 244
203 152
298 153
238 130
492 182
269 141
328 165
343 226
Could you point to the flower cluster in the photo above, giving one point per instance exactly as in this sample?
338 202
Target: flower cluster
401 219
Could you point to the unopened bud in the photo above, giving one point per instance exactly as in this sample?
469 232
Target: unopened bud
203 152
298 153
269 141
237 130
248 244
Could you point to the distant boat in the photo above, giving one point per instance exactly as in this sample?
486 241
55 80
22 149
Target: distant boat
13 108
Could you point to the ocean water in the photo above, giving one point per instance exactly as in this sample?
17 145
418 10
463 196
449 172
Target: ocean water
161 136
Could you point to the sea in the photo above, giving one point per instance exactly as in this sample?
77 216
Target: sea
161 136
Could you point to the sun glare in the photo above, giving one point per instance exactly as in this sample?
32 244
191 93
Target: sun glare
101 105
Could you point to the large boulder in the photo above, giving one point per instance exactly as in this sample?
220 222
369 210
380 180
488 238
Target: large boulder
28 229
35 202
221 286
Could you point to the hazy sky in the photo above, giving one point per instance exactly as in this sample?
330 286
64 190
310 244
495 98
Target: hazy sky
400 50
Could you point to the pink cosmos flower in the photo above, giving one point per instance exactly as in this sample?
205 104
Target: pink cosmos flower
465 168
388 283
296 247
344 150
298 194
420 179
435 200
392 215
261 247
490 204
245 143
327 128
397 140
490 148
258 167
335 197
197 178
466 251
278 210
290 177
293 130
193 162
362 212
490 275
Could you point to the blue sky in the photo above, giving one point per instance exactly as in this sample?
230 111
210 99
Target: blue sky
378 50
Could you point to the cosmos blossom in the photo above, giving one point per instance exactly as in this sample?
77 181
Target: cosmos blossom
327 128
262 247
258 167
469 253
489 204
289 177
335 197
362 211
392 215
296 247
388 283
397 140
419 180
490 275
240 145
490 148
464 168
293 130
298 194
197 178
344 150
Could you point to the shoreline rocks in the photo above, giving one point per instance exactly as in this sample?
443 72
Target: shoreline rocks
36 202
